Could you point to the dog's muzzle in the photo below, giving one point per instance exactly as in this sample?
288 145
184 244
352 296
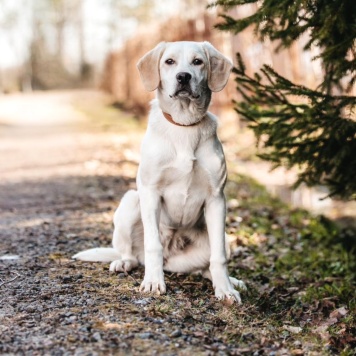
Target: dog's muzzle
183 89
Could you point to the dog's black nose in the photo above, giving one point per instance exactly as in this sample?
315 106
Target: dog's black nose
183 77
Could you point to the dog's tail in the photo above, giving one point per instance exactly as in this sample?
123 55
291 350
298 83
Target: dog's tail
100 254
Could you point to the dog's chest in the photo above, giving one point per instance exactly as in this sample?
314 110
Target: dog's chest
185 162
186 187
182 169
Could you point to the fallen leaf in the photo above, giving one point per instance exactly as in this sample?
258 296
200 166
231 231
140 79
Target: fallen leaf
292 329
328 303
322 331
330 321
199 333
338 313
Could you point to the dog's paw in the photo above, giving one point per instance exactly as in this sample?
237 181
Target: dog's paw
238 283
122 265
153 285
230 295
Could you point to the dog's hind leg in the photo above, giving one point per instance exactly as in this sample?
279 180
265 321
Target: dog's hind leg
128 233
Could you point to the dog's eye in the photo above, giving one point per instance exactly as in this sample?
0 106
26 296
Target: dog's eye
169 61
197 62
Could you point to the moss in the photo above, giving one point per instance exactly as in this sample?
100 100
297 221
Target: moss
297 269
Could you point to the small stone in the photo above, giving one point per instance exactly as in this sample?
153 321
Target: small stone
72 338
145 336
96 336
292 329
176 333
30 309
143 301
233 204
85 328
9 257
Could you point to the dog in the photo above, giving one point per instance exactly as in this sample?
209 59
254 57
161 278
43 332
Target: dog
175 220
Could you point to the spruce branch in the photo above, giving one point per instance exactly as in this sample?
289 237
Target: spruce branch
331 26
311 132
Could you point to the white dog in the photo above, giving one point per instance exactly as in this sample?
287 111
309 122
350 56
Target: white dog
175 221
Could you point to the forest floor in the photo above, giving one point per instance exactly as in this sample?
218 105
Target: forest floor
66 159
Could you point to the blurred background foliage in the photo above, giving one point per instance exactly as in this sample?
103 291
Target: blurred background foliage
51 44
81 44
311 130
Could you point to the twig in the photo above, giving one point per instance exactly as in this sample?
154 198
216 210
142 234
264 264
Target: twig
134 279
169 276
11 280
192 283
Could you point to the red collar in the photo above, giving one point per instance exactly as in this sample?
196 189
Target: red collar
170 119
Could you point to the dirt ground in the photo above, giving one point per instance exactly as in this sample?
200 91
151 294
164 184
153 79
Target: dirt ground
61 181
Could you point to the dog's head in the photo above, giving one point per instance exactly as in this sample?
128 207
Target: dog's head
184 70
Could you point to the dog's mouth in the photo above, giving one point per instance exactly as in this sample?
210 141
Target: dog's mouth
185 92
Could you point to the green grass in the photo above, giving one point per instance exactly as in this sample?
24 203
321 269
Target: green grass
299 268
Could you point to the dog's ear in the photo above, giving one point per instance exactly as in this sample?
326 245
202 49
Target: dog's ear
148 66
220 67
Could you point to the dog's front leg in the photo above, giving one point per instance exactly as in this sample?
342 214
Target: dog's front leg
215 212
150 202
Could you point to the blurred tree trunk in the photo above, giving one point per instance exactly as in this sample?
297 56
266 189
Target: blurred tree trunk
58 8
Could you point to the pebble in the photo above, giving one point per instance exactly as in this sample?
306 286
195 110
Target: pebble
85 328
176 333
9 257
96 336
72 318
145 335
233 204
72 338
143 301
67 279
123 345
30 309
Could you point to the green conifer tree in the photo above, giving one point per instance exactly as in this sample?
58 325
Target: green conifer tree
314 130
